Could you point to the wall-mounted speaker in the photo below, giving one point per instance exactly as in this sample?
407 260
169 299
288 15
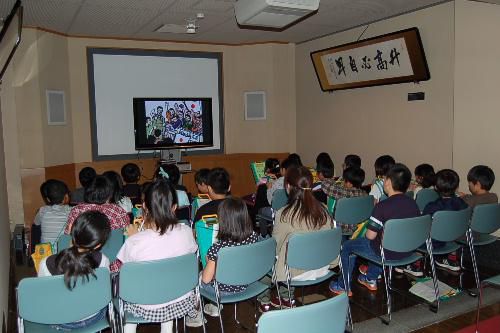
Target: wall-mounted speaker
56 107
255 105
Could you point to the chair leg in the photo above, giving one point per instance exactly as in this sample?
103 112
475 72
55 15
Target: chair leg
473 258
302 292
479 301
347 288
387 272
434 308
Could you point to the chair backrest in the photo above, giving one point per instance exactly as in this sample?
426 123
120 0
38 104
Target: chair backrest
448 226
63 242
46 300
325 316
354 210
425 196
280 199
113 244
158 281
313 250
486 218
245 264
406 235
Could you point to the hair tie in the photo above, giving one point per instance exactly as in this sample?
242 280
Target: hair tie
305 188
164 174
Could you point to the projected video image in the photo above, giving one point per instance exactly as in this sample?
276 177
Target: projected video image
170 122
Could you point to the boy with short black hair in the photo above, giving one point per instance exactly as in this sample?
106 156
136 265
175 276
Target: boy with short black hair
131 173
352 161
396 206
52 217
382 165
273 185
481 178
219 186
325 169
201 179
86 176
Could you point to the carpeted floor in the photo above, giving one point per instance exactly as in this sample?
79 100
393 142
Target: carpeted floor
419 316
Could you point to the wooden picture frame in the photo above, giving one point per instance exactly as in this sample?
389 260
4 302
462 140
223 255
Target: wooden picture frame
388 59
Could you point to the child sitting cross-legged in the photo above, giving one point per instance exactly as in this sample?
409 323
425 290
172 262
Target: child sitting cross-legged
396 206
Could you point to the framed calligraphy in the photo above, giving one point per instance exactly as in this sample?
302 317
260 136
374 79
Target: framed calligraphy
388 59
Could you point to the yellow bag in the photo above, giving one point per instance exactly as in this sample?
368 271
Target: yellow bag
42 250
360 230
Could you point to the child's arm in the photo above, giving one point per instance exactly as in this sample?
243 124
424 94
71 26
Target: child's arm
208 272
370 234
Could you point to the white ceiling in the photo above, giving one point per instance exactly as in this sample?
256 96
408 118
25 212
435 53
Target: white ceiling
139 18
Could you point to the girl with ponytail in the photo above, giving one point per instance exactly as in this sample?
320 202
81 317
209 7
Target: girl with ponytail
90 231
303 213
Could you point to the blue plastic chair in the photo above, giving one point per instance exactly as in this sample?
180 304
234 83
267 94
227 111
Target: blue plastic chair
46 301
161 281
425 196
404 235
485 220
353 210
63 242
280 199
242 265
325 316
310 251
113 244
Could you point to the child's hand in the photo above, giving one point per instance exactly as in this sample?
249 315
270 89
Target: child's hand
269 184
461 194
132 229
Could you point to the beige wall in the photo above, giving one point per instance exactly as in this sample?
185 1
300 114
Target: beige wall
379 120
477 73
268 67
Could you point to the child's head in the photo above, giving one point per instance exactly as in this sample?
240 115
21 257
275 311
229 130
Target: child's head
169 172
272 166
295 158
235 223
54 192
201 180
86 176
397 179
160 203
481 178
99 192
353 177
447 182
323 157
131 173
218 183
117 185
383 164
325 169
425 175
352 161
288 163
90 231
302 205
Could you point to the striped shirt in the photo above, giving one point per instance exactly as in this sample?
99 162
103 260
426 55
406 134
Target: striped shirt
52 220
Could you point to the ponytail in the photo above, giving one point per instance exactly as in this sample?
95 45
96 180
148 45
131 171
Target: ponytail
75 264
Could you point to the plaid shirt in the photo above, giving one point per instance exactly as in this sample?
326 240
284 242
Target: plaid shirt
337 190
117 216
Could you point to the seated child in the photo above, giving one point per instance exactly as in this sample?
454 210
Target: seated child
350 187
277 184
271 173
89 233
481 179
118 197
98 196
85 176
396 206
325 170
131 175
425 177
200 179
382 165
171 173
219 187
295 158
351 161
162 238
235 229
53 217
